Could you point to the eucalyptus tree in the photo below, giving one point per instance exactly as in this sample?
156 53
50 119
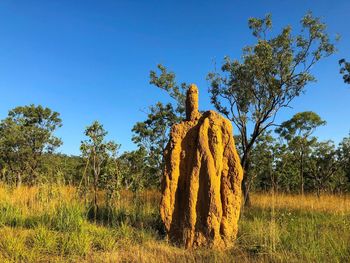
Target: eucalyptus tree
263 162
269 76
287 172
97 153
26 135
152 134
344 157
136 174
323 165
297 132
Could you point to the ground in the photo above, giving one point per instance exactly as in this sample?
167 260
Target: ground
52 224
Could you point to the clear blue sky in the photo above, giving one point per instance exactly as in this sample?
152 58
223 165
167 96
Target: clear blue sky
90 60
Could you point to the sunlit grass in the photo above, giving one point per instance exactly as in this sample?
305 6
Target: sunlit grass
51 223
339 204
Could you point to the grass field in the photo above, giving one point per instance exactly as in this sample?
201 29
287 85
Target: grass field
51 224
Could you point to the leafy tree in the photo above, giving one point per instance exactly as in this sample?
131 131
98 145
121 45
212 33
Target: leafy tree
61 168
152 134
345 70
166 81
270 75
297 131
97 153
135 170
287 170
272 165
323 165
112 179
263 162
344 156
26 135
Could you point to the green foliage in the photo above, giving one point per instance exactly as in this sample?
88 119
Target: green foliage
152 134
269 76
323 165
60 168
302 124
345 70
297 132
344 156
101 156
136 173
166 81
286 170
297 161
25 136
263 159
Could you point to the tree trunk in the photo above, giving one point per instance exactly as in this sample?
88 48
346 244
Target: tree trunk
245 162
245 190
19 180
96 174
95 202
302 173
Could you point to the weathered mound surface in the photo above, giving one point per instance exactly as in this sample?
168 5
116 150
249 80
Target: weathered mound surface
201 187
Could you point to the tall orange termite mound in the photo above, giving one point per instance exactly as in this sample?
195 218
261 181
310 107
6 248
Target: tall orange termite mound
201 187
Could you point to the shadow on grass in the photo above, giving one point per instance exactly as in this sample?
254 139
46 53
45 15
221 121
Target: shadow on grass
137 217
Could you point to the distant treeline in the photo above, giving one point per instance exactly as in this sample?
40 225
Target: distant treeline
28 154
288 160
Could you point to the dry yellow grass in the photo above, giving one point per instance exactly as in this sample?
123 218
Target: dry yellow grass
36 199
277 228
28 197
326 203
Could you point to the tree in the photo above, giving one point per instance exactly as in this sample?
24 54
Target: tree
25 136
263 162
287 171
61 168
152 134
323 165
166 81
135 170
297 131
345 70
97 152
112 178
271 74
344 157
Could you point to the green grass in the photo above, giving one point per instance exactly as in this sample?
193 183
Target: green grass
53 225
298 235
